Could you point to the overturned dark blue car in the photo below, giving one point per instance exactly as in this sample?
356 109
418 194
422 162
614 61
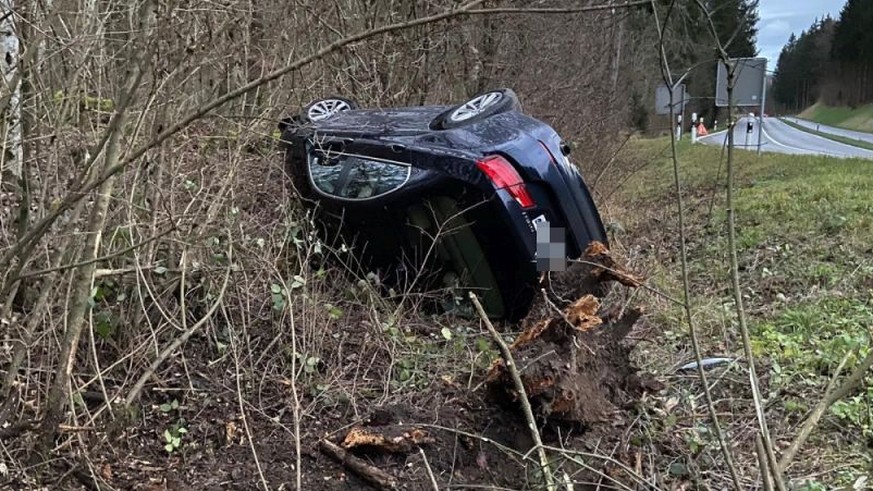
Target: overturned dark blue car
473 197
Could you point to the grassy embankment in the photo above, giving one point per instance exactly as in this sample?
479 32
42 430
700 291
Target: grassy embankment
805 233
837 138
859 119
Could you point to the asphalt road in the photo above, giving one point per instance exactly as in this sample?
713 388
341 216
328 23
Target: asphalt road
855 135
781 137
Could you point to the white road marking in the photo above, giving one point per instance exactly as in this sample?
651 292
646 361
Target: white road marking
801 150
827 147
827 140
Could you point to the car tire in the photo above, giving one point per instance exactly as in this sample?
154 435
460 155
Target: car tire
477 108
325 108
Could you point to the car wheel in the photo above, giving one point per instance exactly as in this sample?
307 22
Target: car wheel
325 108
480 107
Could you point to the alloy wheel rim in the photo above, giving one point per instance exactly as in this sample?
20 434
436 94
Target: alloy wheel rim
475 106
326 108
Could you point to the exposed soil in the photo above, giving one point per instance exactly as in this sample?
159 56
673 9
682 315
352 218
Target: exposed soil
575 364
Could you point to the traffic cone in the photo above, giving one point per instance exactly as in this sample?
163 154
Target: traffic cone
701 130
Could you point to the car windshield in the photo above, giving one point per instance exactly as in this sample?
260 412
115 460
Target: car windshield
355 176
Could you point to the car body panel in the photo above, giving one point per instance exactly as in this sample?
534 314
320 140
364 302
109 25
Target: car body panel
443 165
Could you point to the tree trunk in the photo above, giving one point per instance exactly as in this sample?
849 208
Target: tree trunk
9 50
60 388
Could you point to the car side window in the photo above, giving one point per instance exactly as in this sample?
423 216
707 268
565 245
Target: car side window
355 177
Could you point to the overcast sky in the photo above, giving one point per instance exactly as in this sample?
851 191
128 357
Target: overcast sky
779 18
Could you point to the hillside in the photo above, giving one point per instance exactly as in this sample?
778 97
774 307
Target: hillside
858 119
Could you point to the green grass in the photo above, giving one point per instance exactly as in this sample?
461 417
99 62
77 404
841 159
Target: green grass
836 138
792 197
859 119
805 238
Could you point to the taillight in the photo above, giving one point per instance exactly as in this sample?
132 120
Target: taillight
504 176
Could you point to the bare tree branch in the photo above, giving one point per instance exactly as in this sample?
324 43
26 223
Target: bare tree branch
522 395
831 396
41 227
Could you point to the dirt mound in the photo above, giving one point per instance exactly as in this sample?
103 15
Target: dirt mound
575 367
574 364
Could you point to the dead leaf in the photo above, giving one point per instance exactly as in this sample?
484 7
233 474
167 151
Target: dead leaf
595 248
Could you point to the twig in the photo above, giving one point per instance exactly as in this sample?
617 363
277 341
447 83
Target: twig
686 283
610 162
734 262
295 410
436 487
636 477
831 396
140 383
569 454
522 394
242 409
568 483
766 479
642 284
64 267
369 473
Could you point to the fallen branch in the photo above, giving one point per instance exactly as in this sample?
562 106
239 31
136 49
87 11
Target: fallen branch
369 473
522 394
831 396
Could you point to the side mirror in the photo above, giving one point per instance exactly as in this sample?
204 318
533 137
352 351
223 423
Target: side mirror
565 149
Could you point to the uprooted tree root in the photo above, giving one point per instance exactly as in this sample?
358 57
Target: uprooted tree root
574 364
574 368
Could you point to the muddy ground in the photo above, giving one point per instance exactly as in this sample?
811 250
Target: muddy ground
466 434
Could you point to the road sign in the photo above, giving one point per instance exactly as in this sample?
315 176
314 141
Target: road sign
662 99
748 82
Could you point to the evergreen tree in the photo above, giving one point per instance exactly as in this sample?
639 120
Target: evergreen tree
831 62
